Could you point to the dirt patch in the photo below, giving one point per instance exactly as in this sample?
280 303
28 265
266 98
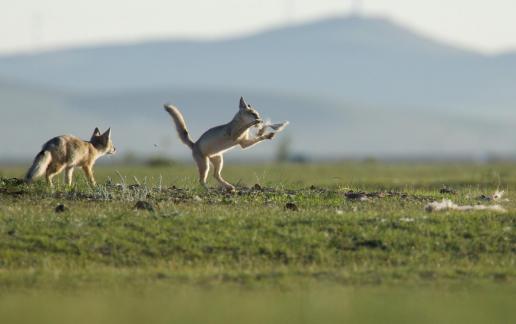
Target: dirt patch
60 209
447 191
144 205
360 196
11 182
364 196
13 187
370 244
291 206
178 195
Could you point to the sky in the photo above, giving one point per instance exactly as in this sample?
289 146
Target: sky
28 25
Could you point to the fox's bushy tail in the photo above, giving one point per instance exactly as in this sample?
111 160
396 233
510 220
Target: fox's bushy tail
39 167
179 120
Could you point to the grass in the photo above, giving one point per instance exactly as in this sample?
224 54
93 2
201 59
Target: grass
288 246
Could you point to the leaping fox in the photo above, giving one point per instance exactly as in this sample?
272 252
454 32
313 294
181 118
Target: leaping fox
211 146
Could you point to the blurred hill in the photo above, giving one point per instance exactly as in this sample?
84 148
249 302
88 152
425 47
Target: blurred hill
351 86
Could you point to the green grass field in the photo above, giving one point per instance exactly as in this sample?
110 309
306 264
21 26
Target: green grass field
289 246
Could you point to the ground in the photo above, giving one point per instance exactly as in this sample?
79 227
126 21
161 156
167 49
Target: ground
299 243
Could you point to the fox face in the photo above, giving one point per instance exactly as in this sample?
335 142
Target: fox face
103 142
247 114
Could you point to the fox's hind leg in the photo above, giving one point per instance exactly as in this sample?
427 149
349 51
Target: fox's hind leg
218 164
203 164
52 171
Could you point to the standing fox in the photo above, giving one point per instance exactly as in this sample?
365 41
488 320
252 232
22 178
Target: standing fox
211 146
68 152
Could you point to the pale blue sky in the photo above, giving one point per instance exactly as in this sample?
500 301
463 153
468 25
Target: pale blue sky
485 25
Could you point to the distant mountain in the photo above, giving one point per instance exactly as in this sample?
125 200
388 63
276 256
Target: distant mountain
372 61
351 87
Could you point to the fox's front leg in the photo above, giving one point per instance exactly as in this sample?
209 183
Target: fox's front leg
88 171
69 176
247 142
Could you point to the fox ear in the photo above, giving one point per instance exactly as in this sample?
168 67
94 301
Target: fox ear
243 104
96 132
107 134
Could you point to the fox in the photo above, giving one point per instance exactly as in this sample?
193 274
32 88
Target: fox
212 145
66 152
